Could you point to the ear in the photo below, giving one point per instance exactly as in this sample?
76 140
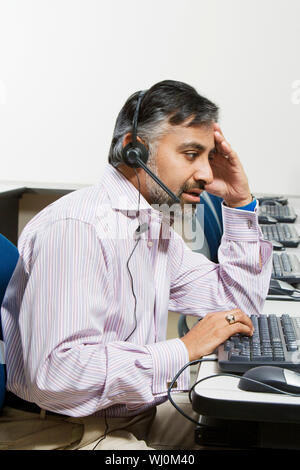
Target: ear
128 138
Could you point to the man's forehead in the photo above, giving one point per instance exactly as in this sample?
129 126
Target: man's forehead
202 134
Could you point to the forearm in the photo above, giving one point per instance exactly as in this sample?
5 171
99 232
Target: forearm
88 378
240 279
245 258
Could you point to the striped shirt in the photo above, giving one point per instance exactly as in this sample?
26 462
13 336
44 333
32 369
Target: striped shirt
76 342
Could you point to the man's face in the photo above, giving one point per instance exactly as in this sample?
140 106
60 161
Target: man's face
182 162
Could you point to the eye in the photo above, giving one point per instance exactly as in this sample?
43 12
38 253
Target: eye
191 155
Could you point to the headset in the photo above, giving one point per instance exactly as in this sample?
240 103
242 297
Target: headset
135 154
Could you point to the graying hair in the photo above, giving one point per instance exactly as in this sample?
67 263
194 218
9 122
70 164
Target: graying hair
150 133
167 103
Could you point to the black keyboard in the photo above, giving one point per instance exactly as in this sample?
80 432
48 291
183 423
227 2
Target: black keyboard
283 233
280 213
282 288
286 267
275 341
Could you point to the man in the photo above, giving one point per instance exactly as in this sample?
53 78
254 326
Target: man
85 314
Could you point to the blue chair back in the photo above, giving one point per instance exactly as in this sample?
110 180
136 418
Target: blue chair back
8 259
213 226
217 204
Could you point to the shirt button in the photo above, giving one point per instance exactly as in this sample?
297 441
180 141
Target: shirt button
150 244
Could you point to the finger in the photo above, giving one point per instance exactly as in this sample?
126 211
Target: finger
241 317
238 314
223 145
217 127
218 130
225 150
240 328
247 321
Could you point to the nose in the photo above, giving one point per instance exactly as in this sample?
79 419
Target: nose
204 172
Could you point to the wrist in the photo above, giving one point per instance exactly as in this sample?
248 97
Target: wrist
240 203
190 353
193 354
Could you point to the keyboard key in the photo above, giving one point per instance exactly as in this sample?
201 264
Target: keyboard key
228 345
238 358
275 340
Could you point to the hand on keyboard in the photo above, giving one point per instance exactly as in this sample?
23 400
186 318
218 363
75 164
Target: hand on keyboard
213 330
275 342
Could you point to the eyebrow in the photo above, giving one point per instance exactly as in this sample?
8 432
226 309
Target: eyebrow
195 146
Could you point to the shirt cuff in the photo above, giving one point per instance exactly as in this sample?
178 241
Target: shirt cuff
168 357
249 207
241 225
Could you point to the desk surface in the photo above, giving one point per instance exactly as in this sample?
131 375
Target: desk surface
220 397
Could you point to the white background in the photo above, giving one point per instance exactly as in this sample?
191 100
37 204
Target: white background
67 67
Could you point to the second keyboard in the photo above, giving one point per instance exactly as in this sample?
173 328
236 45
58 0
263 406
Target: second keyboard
286 267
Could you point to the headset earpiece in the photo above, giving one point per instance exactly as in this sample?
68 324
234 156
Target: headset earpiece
131 153
135 150
135 154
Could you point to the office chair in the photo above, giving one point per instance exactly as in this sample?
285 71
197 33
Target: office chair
213 225
216 201
8 259
213 230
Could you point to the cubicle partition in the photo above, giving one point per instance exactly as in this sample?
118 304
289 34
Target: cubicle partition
10 199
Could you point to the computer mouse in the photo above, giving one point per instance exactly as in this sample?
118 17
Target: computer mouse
278 377
277 245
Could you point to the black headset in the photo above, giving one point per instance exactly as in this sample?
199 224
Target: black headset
135 154
135 150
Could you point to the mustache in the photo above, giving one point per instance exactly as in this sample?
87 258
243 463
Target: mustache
188 188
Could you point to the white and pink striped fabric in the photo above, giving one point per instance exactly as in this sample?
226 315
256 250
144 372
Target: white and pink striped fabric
69 306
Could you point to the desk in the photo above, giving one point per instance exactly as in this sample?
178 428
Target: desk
219 401
235 417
